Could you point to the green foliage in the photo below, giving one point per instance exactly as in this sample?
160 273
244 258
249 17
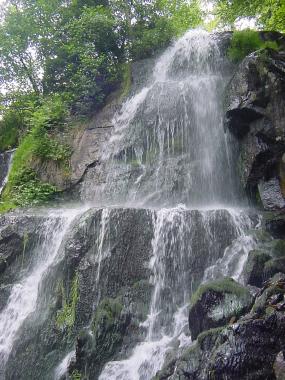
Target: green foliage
76 48
66 316
27 189
157 23
9 130
147 41
6 206
62 58
16 110
76 375
225 285
24 187
245 42
268 14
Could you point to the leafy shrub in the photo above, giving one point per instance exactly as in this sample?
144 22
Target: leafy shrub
24 187
10 126
27 189
50 115
245 42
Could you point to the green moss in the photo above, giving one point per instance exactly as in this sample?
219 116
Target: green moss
225 285
245 42
209 334
274 266
76 375
278 248
260 235
107 312
6 206
66 316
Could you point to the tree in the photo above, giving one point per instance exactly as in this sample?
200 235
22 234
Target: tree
269 14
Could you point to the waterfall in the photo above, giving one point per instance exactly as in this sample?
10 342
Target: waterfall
23 298
168 155
5 166
177 239
169 147
169 144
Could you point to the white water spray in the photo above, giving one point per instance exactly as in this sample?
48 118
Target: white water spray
23 298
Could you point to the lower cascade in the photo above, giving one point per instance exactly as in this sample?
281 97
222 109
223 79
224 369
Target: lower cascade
108 288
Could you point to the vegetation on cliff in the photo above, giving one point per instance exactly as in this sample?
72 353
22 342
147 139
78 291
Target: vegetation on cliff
59 61
68 56
247 41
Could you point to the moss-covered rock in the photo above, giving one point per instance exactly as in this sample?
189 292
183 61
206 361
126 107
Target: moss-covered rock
274 266
278 248
215 303
275 224
244 350
254 268
99 345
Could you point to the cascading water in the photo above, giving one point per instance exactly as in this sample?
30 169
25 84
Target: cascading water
169 145
23 298
5 165
169 155
176 242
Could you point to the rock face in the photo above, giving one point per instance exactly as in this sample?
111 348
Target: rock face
19 235
246 349
99 288
255 115
104 261
216 303
88 142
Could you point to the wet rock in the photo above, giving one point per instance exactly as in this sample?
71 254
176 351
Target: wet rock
95 348
274 266
264 262
121 250
279 366
255 115
275 225
255 266
19 234
249 349
271 195
215 303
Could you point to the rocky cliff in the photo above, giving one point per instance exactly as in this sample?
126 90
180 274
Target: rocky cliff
125 292
239 332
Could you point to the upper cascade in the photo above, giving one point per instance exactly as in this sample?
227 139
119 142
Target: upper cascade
168 144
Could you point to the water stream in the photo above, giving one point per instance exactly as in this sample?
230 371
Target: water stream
169 144
170 154
6 159
23 298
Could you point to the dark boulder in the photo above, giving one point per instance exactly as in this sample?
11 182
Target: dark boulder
275 224
249 349
215 303
254 268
